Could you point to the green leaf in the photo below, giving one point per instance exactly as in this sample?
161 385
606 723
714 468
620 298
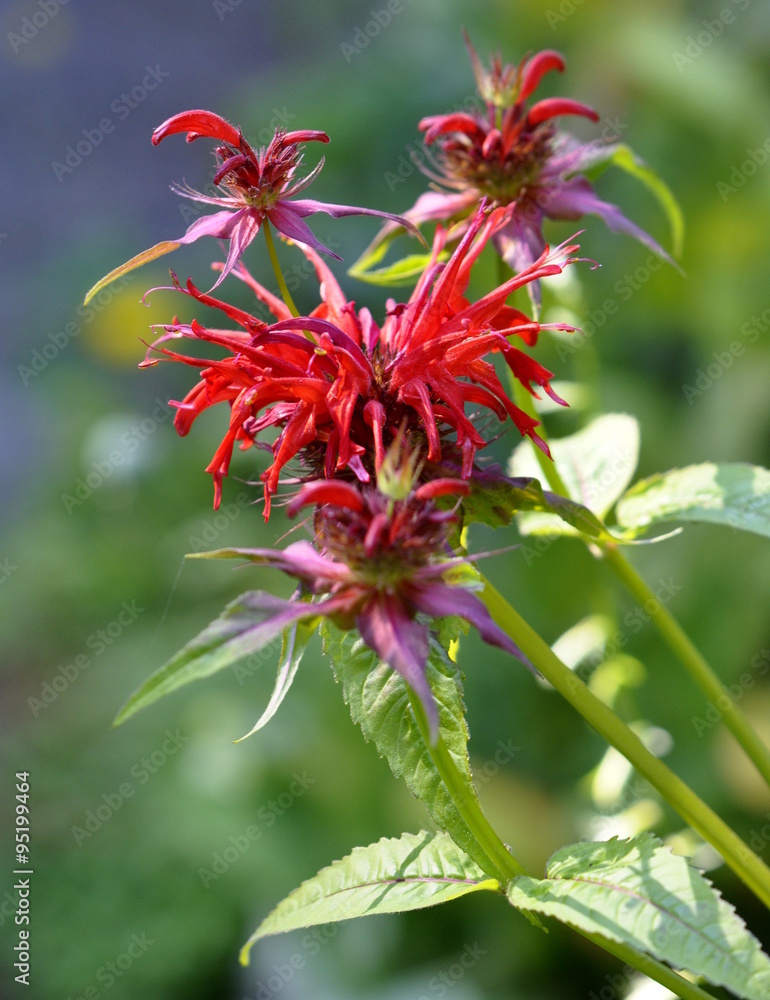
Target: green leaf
400 272
246 625
379 702
293 646
494 499
405 873
131 265
640 894
622 156
596 464
734 494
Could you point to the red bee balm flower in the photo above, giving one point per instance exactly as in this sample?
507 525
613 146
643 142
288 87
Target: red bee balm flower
381 562
260 186
339 387
514 155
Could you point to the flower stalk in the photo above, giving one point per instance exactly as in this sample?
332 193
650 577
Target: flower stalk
502 864
743 861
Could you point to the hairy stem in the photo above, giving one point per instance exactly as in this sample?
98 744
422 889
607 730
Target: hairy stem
503 865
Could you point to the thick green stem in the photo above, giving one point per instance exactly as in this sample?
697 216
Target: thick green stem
503 866
691 659
680 797
650 967
277 269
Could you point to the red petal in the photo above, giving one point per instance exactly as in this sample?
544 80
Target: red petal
536 68
440 488
553 106
305 135
327 491
198 123
437 125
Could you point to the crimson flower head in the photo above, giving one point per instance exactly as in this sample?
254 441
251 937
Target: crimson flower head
257 186
512 153
339 388
378 562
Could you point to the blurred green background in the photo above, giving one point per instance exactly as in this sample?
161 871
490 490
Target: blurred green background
128 899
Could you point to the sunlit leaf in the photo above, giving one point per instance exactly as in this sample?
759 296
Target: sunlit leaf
733 494
395 874
640 894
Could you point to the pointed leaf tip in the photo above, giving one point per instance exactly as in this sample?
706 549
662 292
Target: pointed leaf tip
141 258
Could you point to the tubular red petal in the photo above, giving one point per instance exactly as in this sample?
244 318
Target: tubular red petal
304 135
551 107
441 487
231 163
437 125
327 491
198 123
536 68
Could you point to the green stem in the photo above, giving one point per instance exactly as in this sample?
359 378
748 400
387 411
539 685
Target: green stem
693 661
277 269
690 807
650 967
669 628
525 402
503 865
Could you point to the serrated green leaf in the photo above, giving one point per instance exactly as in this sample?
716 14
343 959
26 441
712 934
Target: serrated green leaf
293 646
395 874
596 464
734 494
622 156
379 702
640 894
145 257
246 625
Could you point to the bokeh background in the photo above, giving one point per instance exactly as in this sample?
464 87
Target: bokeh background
128 899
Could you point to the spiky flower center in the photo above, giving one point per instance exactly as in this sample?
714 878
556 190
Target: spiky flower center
497 174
